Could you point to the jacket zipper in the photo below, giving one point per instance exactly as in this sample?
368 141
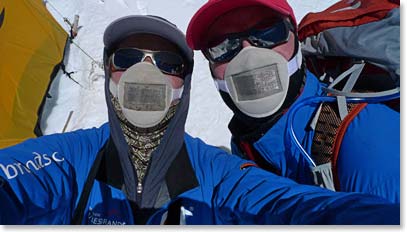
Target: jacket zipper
139 191
140 184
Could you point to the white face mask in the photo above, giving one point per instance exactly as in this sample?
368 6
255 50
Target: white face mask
257 80
145 94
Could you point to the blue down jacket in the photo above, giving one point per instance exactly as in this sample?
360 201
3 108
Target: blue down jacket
42 178
186 182
369 155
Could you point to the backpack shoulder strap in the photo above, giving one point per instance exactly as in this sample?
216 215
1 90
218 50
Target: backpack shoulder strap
329 133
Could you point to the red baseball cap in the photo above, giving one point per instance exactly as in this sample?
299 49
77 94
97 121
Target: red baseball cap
213 9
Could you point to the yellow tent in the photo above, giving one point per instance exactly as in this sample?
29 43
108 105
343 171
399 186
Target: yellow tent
32 48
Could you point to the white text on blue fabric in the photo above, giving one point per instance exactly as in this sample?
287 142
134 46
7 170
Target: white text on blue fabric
38 162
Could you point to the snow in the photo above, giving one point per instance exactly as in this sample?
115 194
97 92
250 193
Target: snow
208 116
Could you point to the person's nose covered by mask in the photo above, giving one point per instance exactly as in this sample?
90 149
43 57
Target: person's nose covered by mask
145 95
253 61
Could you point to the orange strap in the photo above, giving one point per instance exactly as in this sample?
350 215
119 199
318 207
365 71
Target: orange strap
246 165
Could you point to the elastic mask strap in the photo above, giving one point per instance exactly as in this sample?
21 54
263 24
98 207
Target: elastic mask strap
177 93
113 88
295 63
221 85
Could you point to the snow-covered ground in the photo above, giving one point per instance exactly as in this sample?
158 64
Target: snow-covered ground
208 116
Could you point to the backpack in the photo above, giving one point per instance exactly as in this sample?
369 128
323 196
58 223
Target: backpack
353 31
354 47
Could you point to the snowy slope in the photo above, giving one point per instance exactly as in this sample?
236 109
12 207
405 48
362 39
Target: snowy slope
208 116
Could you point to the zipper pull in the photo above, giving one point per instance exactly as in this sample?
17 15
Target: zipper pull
139 188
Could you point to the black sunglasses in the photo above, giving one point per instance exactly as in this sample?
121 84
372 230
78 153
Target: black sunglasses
265 38
168 62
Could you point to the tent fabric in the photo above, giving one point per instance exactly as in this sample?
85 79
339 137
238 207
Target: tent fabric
32 45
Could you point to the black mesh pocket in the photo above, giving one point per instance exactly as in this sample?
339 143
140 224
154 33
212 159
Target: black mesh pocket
325 132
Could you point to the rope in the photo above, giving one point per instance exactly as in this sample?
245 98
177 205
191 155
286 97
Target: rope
99 64
66 20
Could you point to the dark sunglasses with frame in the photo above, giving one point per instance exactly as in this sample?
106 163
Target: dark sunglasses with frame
231 44
168 62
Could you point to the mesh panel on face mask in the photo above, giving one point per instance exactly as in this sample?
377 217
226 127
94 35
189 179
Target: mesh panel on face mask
257 83
144 97
142 141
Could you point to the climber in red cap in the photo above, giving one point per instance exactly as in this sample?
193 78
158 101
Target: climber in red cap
255 60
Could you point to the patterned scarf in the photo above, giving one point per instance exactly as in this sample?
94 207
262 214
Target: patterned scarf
142 141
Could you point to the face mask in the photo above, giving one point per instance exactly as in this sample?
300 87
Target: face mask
145 94
257 80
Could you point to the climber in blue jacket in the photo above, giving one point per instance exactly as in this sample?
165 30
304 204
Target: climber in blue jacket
142 168
279 120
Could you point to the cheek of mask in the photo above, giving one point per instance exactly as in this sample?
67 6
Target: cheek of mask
113 82
113 88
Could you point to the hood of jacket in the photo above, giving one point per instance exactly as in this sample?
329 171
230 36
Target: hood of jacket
173 139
